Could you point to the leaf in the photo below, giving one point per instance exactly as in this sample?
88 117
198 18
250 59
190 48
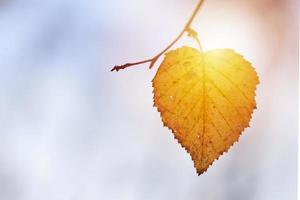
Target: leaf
206 99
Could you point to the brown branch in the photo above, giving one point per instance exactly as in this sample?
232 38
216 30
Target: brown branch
155 58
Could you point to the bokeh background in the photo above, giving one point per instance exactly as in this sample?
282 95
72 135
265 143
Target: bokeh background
72 130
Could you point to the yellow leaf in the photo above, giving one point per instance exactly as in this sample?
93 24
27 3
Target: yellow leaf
206 99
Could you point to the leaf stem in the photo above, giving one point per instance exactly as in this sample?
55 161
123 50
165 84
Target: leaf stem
199 44
156 57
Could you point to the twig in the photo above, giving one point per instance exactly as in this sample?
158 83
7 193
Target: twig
155 58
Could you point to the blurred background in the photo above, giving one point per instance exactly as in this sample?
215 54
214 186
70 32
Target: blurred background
72 130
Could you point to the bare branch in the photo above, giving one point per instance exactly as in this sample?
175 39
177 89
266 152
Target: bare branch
155 58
